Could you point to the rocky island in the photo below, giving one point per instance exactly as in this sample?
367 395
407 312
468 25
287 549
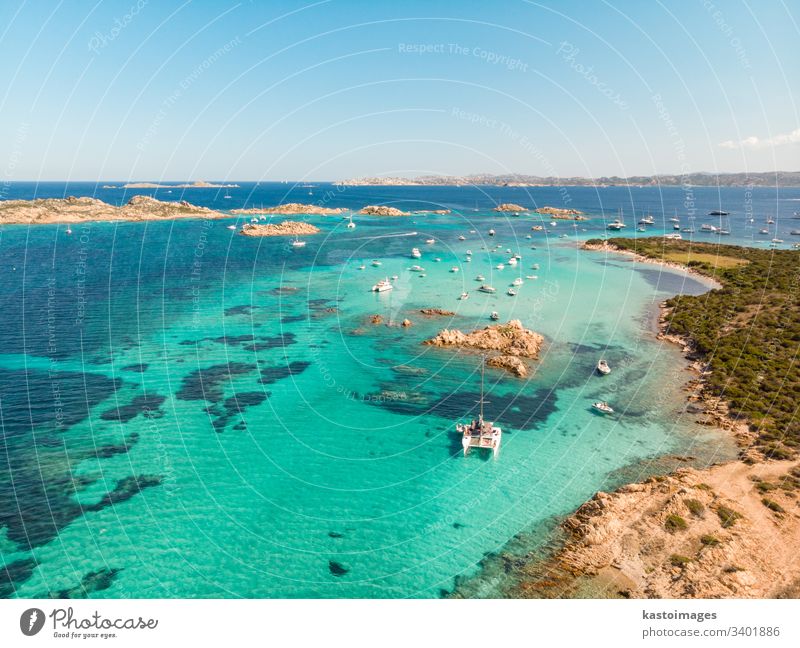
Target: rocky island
560 213
509 207
286 228
382 210
77 210
507 344
291 209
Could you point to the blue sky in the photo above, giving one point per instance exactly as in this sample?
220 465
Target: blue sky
146 89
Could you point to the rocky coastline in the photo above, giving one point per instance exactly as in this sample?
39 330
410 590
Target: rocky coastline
559 213
725 531
509 207
506 345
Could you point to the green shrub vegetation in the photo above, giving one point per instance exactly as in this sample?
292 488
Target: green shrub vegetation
709 540
748 331
695 507
679 561
727 516
675 523
773 505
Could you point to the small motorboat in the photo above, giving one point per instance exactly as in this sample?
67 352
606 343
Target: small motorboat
531 277
602 407
231 227
468 259
362 267
537 228
468 253
517 282
777 240
462 238
415 253
511 292
395 277
416 268
486 288
500 266
763 231
298 243
430 241
438 259
717 213
376 263
535 266
464 296
512 261
454 269
603 368
382 286
494 316
68 231
676 226
491 232
480 278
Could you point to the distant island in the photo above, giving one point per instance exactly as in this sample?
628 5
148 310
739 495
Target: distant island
199 184
765 179
292 208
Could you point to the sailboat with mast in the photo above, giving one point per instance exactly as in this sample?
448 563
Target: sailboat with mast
479 433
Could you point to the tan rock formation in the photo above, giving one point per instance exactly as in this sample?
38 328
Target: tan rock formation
292 208
382 210
286 228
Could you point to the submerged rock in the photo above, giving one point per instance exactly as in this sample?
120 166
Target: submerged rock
337 569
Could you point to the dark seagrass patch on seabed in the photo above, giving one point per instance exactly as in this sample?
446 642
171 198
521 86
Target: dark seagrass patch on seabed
95 581
207 384
143 404
278 372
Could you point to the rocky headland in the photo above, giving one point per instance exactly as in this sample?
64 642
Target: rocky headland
292 208
77 210
507 345
285 228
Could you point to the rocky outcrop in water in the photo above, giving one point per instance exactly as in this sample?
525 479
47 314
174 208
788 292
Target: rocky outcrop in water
286 228
76 210
508 207
432 312
559 213
506 343
382 210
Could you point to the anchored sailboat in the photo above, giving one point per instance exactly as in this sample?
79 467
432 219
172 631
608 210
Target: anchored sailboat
479 433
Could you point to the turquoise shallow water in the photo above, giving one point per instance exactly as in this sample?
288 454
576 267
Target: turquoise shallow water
192 413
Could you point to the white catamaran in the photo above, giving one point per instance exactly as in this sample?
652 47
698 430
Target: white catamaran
479 433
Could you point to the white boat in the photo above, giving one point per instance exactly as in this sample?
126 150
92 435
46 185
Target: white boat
68 231
512 261
641 229
480 278
462 238
676 226
382 286
468 259
500 266
553 223
430 241
416 268
674 220
464 296
472 232
705 227
494 316
517 282
415 253
535 266
603 368
376 263
763 231
480 434
486 288
673 237
468 252
395 277
437 259
724 232
688 230
532 277
511 292
647 220
298 243
351 224
777 240
602 407
616 225
231 227
491 232
454 269
362 267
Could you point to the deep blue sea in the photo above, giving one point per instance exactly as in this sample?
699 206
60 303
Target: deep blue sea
187 412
